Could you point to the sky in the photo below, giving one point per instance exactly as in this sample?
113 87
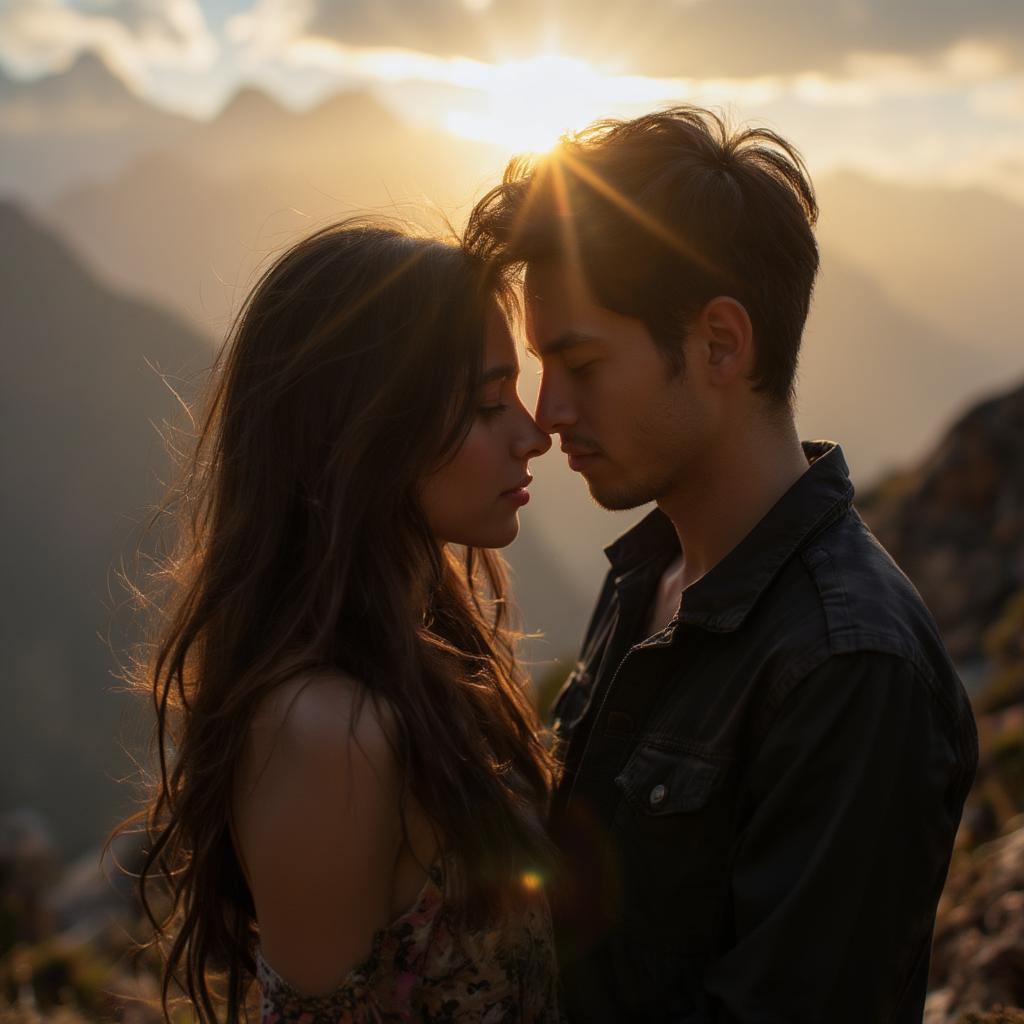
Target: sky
928 90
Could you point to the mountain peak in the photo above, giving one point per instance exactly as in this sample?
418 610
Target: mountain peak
250 103
88 76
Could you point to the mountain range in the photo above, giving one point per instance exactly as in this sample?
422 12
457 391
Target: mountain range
132 237
80 125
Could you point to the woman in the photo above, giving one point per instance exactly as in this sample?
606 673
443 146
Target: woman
351 775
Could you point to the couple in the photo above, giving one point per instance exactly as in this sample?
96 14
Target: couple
746 805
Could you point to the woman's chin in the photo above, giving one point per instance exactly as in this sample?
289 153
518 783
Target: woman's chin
513 532
496 536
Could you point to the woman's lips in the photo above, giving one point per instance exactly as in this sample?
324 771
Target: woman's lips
518 495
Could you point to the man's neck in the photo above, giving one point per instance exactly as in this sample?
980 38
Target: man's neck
730 492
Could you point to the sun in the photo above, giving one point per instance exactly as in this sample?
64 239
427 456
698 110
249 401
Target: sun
526 105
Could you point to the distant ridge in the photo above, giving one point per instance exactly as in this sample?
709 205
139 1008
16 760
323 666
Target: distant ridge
88 75
250 103
952 257
253 114
74 126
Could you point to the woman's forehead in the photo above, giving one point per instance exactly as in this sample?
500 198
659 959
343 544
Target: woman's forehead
500 345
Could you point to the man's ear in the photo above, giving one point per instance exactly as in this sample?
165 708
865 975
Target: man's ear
728 334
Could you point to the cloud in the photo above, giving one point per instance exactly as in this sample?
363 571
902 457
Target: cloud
135 37
268 28
290 33
701 38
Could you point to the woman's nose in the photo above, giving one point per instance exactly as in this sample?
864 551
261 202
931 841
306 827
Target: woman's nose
530 440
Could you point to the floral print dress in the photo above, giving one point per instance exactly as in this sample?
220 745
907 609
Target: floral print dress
424 968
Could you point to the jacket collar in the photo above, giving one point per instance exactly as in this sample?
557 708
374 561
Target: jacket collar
722 599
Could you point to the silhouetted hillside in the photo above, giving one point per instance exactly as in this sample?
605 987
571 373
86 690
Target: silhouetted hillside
79 407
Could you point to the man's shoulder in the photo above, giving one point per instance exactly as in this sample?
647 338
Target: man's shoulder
866 600
844 598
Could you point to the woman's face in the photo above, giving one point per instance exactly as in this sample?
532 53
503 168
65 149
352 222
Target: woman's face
474 498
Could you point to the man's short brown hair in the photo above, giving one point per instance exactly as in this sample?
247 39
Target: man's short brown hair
664 213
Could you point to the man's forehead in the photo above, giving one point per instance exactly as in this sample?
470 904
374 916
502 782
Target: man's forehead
545 281
554 289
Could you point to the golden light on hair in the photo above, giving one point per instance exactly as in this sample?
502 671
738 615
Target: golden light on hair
637 213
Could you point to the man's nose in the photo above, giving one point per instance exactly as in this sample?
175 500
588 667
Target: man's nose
555 411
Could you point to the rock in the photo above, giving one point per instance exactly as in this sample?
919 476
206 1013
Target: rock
978 949
955 523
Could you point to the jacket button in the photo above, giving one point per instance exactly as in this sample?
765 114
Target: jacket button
658 794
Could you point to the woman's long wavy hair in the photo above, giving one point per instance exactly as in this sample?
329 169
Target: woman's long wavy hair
351 372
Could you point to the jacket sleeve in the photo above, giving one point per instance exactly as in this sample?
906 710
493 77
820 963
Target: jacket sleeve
852 805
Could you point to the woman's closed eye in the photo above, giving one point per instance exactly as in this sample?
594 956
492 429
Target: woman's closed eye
495 397
491 411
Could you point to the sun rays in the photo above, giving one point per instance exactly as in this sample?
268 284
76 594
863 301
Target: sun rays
526 105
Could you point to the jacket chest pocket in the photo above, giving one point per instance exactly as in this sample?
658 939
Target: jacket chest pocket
672 833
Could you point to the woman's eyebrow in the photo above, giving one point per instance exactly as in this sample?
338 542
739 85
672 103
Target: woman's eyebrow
506 372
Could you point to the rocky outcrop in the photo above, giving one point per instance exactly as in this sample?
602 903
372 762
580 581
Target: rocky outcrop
978 951
955 524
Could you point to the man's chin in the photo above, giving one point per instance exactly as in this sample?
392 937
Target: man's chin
617 500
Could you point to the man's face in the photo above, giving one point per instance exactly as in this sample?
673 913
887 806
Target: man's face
632 428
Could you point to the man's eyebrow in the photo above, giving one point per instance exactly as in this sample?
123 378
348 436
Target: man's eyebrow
560 344
506 372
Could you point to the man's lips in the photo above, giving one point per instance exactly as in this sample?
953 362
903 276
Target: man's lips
579 457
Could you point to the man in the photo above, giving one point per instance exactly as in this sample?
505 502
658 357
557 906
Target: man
766 748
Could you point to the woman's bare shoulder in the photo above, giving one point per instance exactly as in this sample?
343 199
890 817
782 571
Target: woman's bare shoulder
318 812
317 718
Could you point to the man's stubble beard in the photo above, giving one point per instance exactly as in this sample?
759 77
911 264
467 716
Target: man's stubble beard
628 495
666 438
670 464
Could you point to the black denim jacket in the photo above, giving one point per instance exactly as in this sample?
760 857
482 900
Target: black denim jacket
759 802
